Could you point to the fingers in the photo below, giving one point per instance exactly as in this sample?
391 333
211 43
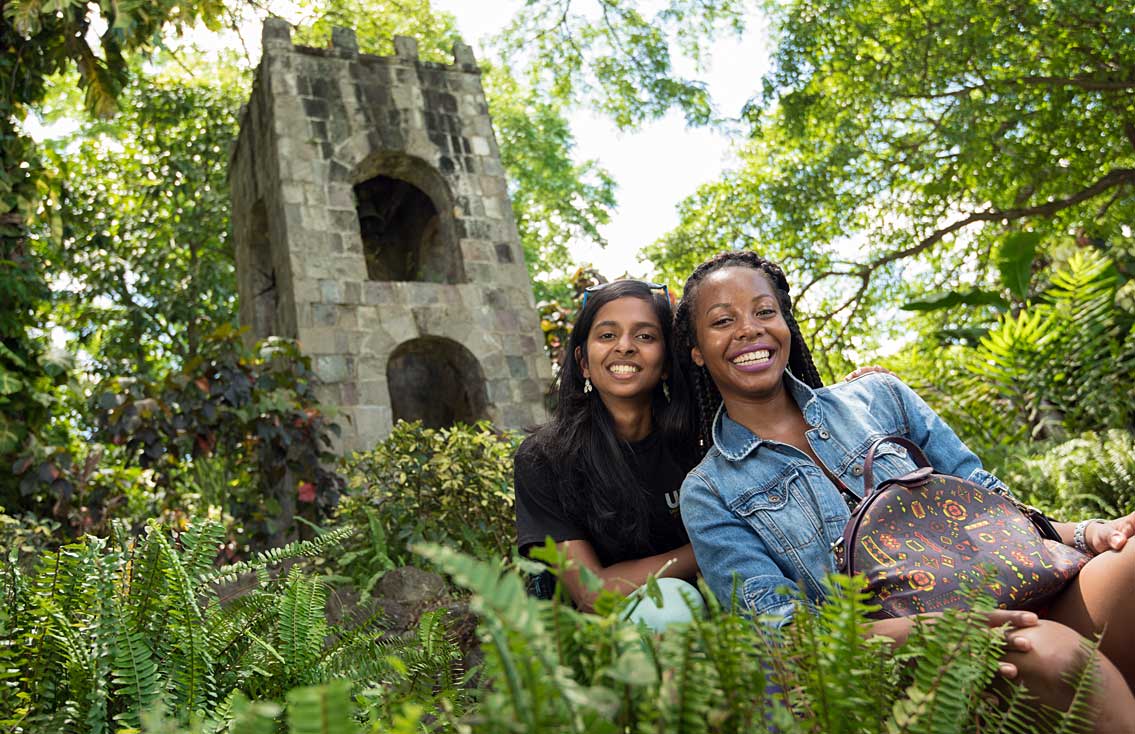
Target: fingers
1013 617
866 371
1111 535
1017 643
1124 526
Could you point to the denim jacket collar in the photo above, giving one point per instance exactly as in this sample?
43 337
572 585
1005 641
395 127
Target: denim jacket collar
735 442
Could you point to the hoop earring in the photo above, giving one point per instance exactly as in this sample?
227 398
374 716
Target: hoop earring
587 385
666 390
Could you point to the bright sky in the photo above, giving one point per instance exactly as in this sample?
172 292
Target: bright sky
658 165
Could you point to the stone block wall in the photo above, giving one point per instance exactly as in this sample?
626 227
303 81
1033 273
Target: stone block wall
321 121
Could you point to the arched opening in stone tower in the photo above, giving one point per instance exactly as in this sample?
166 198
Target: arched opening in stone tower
406 224
436 381
262 274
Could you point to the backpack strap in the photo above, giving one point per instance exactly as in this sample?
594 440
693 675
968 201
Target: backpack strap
869 462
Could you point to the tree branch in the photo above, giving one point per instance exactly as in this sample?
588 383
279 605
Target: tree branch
1114 178
1079 82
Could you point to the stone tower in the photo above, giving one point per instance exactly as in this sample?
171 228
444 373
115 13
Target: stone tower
372 223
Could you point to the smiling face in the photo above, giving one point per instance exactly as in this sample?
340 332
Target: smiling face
625 354
742 337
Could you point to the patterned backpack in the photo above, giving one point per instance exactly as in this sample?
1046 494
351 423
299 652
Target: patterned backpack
922 539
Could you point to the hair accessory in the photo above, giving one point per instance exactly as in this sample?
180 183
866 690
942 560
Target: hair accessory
666 390
1080 539
600 286
587 385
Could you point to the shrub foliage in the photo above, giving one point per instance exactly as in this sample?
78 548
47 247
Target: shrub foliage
450 485
106 630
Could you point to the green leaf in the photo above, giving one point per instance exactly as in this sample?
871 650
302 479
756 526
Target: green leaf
9 383
1015 261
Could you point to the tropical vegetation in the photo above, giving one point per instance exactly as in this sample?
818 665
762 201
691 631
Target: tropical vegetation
950 186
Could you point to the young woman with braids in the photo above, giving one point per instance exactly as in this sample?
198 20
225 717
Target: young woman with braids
602 477
785 461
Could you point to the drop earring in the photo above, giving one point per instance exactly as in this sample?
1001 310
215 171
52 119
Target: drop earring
587 385
666 390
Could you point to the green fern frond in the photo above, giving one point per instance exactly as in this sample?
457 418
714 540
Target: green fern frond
199 546
685 693
227 630
145 585
1079 715
326 709
313 548
729 644
1012 710
302 625
356 648
189 664
135 674
221 717
533 685
955 659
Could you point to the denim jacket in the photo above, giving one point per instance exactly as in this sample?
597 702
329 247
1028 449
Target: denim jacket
764 513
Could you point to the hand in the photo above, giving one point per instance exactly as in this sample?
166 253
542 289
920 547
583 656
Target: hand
866 371
1112 535
899 628
1016 620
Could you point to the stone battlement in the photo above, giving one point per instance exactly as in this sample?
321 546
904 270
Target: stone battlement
277 35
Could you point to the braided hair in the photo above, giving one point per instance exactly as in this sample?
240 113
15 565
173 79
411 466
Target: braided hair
707 399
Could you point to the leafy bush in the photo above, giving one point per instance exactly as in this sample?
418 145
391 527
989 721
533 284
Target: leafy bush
257 414
550 668
450 485
105 630
1056 362
1061 363
1092 475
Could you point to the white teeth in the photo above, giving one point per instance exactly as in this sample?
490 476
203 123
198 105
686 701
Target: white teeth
761 355
623 369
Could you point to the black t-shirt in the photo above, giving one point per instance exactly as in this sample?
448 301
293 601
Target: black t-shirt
539 511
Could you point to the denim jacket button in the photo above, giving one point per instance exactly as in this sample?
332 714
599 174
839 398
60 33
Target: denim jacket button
857 470
824 434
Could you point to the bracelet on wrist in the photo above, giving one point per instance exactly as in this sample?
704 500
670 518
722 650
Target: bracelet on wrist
1079 537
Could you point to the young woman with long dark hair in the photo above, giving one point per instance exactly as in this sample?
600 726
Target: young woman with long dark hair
786 459
602 477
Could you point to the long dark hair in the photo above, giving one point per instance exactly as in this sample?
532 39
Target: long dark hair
706 396
579 445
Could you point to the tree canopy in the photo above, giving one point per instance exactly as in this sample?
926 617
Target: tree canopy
893 132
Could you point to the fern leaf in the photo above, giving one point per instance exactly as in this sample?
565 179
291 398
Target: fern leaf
1080 714
135 673
190 666
200 542
302 625
326 709
313 548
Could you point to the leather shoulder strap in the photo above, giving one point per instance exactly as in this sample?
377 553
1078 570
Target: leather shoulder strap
869 462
